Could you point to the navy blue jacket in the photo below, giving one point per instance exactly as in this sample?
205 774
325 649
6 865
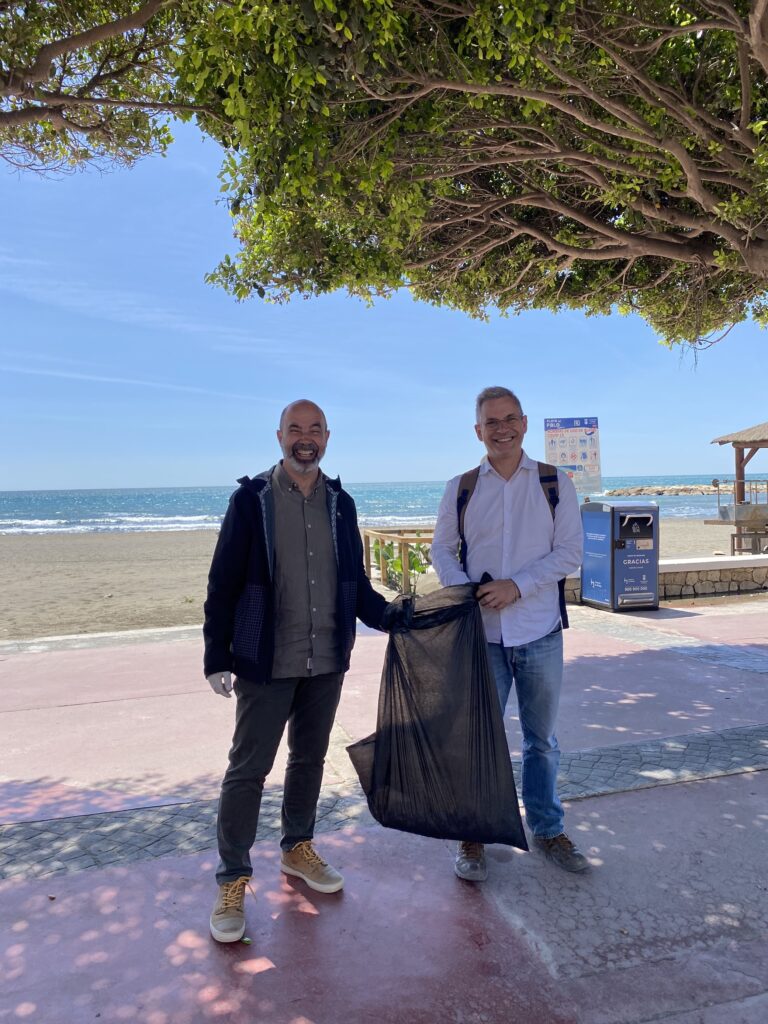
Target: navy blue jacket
239 610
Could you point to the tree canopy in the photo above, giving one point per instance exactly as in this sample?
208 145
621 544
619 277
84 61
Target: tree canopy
87 81
509 154
513 154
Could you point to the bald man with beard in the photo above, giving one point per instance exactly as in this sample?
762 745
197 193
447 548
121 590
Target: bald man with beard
285 588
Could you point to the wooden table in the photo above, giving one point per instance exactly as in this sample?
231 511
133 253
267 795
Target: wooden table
747 540
750 542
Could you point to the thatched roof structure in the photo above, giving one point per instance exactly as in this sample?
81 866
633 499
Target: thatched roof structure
751 437
746 443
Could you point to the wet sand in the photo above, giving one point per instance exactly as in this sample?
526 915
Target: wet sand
90 583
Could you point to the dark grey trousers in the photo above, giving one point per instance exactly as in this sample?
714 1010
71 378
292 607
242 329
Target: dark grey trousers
308 706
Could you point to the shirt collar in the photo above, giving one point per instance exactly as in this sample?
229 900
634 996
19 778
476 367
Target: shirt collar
286 484
525 464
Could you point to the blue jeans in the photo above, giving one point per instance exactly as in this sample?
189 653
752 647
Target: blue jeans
536 669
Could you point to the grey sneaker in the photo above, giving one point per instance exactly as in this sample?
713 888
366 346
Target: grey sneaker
470 862
228 917
305 862
562 852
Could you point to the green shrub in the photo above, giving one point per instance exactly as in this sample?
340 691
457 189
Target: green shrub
418 563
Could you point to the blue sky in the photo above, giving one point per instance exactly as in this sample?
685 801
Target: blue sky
119 366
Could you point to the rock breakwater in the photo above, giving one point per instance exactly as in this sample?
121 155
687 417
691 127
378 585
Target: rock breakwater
665 489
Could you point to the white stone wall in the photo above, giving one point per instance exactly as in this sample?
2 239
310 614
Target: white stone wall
691 577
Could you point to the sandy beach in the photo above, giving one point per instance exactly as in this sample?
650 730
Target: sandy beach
91 583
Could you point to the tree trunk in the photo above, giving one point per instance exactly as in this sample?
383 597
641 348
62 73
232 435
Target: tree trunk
755 256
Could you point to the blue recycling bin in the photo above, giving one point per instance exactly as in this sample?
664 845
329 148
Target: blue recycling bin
620 570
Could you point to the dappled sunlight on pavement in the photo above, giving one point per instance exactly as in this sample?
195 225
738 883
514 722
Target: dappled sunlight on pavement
669 924
668 919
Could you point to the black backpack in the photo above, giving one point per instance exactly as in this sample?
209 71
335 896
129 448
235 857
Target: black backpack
550 486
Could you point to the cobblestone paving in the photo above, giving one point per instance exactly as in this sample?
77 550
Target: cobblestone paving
43 848
623 767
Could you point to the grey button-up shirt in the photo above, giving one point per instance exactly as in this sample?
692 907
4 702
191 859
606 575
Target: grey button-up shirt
306 581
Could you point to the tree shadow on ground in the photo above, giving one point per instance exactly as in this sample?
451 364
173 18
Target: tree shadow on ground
648 693
669 921
48 797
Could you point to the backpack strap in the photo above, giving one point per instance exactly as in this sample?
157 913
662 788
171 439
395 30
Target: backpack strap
467 486
551 487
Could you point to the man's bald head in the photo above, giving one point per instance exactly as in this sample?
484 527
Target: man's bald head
299 406
303 436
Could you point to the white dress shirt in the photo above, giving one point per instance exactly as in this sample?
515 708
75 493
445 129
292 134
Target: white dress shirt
510 534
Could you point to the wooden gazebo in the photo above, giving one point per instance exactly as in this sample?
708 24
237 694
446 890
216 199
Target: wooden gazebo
750 520
745 444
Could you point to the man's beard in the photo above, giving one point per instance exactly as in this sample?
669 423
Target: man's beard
303 466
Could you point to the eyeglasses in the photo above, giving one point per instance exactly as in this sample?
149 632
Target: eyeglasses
509 421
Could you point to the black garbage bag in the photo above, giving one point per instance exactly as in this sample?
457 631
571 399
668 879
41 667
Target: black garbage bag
438 764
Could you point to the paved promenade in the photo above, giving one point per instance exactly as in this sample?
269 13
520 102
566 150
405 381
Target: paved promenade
109 770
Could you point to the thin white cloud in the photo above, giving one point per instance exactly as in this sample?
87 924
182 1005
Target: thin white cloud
10 259
95 416
39 357
135 309
132 381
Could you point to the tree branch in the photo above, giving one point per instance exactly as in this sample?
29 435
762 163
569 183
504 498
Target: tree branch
758 28
40 70
745 115
58 104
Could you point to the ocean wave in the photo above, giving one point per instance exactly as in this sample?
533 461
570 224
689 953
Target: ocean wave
154 527
405 521
689 512
30 522
151 519
381 505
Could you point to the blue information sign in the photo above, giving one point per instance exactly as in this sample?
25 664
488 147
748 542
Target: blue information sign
573 445
569 424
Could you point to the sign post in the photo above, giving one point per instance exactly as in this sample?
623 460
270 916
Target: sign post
573 445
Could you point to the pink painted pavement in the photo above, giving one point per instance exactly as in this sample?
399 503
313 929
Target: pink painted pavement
671 924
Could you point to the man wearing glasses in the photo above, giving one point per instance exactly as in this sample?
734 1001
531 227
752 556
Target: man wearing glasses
518 522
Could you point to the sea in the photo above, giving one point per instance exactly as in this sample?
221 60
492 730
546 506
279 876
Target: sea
138 510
